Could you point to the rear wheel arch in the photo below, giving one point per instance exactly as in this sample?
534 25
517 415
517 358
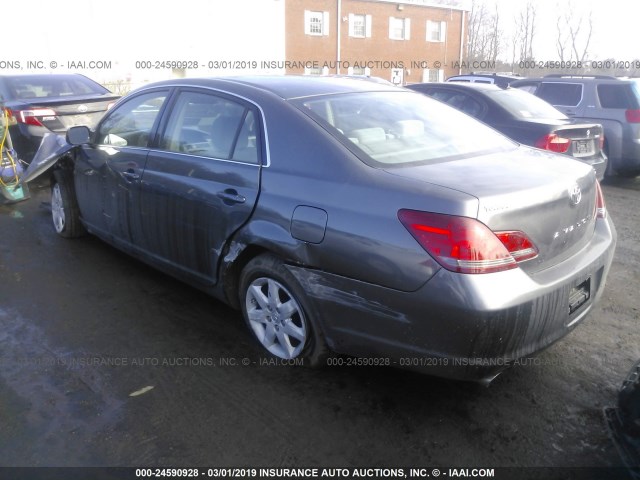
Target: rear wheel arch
253 239
232 269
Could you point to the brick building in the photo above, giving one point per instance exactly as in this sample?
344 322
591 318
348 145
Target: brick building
402 41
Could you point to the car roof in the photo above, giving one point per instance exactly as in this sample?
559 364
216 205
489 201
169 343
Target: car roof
486 75
460 86
285 86
572 79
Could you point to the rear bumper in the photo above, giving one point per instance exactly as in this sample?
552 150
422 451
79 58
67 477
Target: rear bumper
468 327
599 164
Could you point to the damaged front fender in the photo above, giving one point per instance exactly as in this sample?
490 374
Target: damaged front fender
52 148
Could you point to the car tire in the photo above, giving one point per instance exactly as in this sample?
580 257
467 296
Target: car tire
65 212
277 313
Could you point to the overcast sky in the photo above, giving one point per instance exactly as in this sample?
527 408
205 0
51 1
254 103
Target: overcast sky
127 30
615 25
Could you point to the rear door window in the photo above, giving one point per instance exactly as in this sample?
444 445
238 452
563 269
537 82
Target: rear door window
617 96
562 94
209 125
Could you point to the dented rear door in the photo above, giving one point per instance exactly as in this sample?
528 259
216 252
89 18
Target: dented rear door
201 182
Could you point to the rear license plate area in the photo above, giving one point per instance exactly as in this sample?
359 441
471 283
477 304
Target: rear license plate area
579 295
584 147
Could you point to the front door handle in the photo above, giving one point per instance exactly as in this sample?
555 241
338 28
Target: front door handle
230 197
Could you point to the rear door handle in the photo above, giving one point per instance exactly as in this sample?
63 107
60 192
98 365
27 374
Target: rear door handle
230 197
130 175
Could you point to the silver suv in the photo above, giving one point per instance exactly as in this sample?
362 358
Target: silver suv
610 101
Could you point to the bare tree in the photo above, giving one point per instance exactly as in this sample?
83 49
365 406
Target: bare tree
496 35
526 30
484 32
563 38
574 33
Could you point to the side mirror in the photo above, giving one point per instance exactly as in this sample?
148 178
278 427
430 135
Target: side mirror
78 135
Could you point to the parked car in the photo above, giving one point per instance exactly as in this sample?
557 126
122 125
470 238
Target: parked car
612 102
501 79
342 214
524 118
42 103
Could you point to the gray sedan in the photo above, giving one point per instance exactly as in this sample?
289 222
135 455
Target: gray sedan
343 215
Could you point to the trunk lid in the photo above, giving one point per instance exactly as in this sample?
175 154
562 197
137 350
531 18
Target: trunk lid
71 111
585 139
549 197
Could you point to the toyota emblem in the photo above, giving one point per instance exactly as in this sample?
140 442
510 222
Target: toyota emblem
82 108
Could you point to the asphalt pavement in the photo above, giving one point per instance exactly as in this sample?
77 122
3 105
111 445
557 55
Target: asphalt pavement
106 362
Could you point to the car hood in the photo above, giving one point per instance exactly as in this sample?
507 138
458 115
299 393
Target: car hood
51 148
524 189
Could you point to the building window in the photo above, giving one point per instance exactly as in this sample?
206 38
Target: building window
316 23
436 31
399 28
317 71
359 71
359 26
433 75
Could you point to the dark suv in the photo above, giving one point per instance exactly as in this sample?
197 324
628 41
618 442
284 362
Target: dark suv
610 101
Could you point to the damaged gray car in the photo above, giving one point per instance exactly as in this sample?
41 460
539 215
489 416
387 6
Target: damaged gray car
343 216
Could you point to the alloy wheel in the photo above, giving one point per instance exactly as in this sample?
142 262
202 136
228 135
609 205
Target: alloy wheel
276 318
57 208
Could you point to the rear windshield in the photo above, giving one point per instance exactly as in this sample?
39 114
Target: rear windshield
563 94
401 128
625 95
524 105
48 86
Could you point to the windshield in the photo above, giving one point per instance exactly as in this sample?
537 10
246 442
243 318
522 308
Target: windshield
524 105
401 128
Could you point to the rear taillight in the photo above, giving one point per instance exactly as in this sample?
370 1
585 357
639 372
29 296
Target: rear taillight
601 141
601 208
518 245
633 116
465 245
33 117
554 143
